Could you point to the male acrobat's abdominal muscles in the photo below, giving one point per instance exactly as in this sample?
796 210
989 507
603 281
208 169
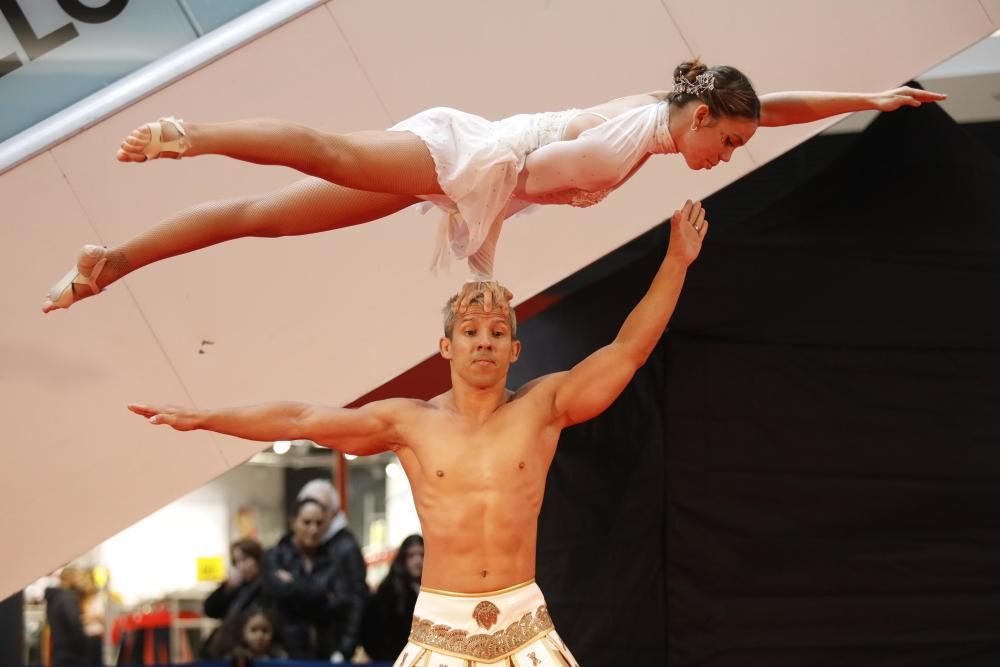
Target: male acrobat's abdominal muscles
480 520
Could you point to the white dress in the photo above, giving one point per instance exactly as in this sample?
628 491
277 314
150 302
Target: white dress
478 162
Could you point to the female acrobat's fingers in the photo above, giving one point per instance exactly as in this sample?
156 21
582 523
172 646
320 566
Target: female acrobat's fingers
891 100
464 298
925 95
143 410
504 302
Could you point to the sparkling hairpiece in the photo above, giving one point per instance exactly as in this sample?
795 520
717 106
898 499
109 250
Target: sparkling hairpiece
701 84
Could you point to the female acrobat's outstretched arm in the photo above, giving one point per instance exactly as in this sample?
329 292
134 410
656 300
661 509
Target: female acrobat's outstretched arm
793 107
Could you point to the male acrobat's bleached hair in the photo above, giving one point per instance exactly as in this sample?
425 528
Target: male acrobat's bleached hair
479 290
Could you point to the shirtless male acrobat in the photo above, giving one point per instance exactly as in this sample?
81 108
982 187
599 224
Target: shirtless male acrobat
477 457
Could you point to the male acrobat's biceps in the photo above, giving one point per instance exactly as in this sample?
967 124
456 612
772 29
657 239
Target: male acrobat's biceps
358 446
594 384
322 424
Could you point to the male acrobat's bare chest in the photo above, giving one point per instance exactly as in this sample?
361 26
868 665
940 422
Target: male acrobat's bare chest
497 455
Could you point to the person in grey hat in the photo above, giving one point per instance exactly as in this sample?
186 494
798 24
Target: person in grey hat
342 545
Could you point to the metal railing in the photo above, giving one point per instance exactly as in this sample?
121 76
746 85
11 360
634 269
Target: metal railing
148 79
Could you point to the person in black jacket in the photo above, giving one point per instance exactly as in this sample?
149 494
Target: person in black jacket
63 614
304 584
241 590
389 613
340 542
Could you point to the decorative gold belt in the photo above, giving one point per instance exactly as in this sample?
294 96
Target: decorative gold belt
483 646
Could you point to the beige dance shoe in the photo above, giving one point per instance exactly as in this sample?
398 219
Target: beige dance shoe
157 146
61 295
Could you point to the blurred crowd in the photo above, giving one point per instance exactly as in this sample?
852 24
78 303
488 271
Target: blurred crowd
305 597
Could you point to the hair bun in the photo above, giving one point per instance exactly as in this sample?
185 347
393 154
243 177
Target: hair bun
688 70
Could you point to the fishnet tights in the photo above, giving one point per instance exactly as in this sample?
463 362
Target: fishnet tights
308 206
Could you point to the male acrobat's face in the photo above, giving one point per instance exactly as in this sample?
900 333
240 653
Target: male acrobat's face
481 348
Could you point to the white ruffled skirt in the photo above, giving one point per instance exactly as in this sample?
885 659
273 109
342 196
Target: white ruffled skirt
477 163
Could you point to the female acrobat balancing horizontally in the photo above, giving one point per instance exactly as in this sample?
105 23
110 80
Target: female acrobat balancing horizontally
479 172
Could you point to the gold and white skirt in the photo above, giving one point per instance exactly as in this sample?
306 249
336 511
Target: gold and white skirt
506 628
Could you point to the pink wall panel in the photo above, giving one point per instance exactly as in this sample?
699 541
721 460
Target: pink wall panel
512 57
72 459
992 8
267 305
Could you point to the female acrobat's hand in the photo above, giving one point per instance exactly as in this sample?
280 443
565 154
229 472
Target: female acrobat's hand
468 292
890 100
687 230
182 419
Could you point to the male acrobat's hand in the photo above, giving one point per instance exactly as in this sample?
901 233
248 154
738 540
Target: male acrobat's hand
687 230
182 419
468 291
890 100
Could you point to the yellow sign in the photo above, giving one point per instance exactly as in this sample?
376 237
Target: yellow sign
100 575
211 568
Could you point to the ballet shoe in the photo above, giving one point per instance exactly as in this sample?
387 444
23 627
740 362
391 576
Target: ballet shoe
157 146
61 294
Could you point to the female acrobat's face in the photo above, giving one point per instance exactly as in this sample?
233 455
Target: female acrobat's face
705 140
257 634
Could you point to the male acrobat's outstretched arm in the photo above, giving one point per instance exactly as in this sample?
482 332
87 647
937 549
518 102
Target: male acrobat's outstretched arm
593 384
369 429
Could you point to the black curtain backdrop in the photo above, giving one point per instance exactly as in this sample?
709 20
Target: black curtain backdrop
807 471
12 631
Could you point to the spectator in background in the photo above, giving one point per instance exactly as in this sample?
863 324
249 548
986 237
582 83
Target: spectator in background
92 616
303 583
241 590
64 616
242 587
253 633
389 613
340 542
